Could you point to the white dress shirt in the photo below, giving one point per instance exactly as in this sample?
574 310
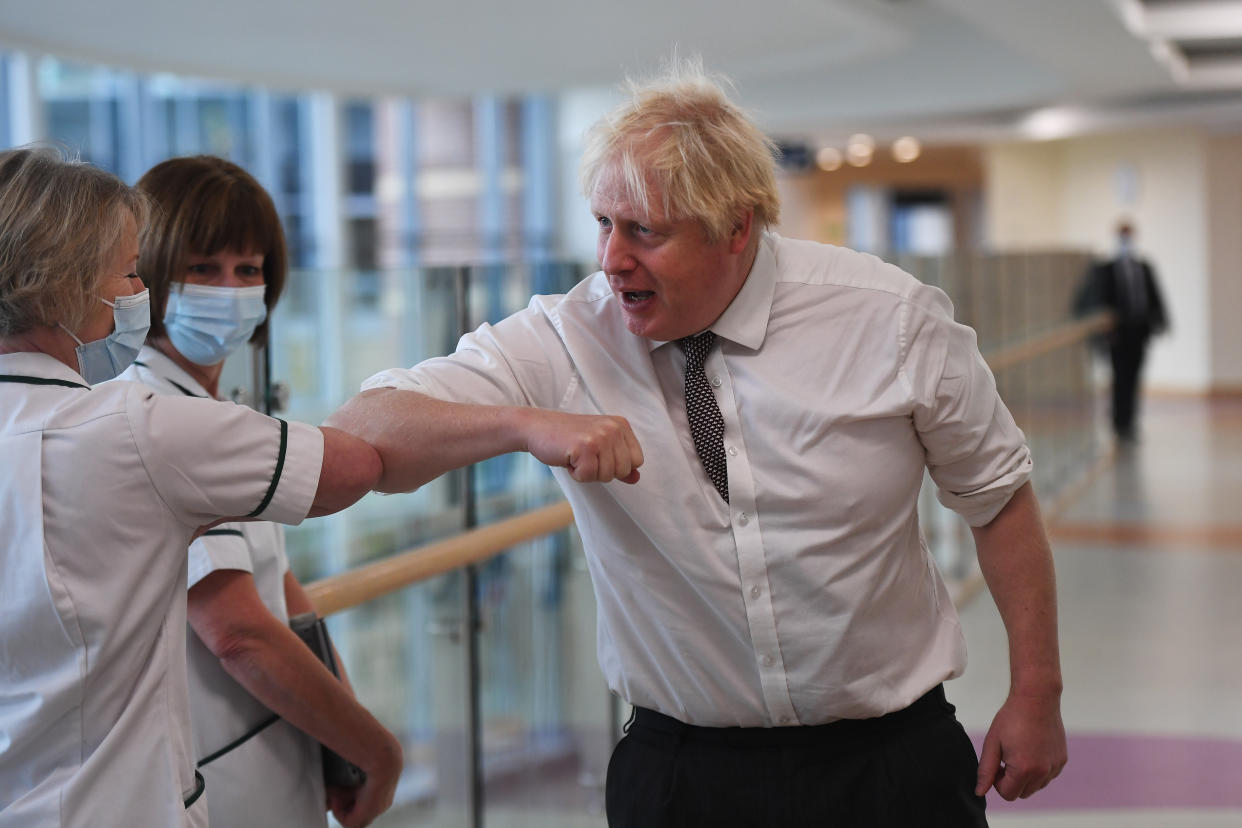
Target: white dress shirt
107 485
811 596
275 778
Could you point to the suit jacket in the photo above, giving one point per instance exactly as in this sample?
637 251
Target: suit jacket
1106 287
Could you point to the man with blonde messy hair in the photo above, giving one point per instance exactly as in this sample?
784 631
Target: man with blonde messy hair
691 145
765 600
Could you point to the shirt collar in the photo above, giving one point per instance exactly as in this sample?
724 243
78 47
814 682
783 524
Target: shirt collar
165 368
745 321
35 364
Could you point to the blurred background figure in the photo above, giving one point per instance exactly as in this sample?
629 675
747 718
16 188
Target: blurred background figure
213 257
1127 285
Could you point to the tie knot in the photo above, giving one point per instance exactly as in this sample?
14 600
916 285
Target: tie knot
696 347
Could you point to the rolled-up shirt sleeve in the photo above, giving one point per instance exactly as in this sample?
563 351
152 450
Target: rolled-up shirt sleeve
212 459
976 454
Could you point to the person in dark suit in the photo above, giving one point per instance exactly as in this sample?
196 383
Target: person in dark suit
1126 284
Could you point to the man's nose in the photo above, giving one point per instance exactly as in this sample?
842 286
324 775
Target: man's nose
615 254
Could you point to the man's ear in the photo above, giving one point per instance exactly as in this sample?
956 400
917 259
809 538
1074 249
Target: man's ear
739 236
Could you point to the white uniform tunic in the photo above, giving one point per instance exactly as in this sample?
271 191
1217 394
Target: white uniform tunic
275 777
104 490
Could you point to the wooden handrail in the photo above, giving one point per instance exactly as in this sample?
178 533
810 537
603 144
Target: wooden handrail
368 582
357 586
1058 337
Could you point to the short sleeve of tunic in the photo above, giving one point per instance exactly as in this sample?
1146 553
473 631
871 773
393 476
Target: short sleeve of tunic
209 458
222 547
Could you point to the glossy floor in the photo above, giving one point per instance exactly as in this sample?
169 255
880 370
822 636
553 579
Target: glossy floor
1149 565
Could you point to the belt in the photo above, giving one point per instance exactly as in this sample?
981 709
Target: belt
929 706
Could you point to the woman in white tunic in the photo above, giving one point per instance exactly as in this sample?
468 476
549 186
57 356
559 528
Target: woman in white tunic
213 257
105 489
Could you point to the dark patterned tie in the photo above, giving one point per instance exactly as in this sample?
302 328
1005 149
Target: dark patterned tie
706 424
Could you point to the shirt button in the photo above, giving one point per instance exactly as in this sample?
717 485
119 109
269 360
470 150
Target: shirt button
754 592
768 661
716 381
743 518
785 720
732 451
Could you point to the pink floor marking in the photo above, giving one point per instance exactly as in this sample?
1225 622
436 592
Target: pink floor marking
1133 771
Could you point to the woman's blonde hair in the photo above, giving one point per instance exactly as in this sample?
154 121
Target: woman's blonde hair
681 137
61 221
203 205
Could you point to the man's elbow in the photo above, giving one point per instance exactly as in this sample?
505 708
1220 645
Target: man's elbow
361 415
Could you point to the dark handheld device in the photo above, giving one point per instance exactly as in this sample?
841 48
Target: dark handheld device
337 771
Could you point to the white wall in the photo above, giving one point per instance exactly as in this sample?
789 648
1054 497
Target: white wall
1072 192
1022 195
1225 259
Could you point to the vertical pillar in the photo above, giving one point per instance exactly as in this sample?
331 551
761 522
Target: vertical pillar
186 122
321 177
24 115
489 141
262 155
132 155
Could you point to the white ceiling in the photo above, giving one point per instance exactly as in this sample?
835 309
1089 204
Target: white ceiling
812 68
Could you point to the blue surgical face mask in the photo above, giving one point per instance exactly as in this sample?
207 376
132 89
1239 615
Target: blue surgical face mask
206 323
102 359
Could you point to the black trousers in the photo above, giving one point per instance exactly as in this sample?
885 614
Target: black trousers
1129 347
911 769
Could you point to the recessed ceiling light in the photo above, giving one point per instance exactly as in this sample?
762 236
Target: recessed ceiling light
906 149
828 159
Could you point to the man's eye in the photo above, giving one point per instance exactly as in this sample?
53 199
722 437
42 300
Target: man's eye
250 270
199 268
603 221
641 229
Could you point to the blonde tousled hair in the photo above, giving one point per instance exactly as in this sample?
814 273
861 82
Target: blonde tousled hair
681 136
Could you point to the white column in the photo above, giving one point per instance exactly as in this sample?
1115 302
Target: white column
322 178
25 115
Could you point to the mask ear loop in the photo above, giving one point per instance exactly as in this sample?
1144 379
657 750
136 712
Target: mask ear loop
61 325
126 301
112 305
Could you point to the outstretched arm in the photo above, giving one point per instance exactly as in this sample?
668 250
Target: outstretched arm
267 658
1024 749
420 438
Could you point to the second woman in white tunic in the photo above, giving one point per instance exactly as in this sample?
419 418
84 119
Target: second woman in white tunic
214 259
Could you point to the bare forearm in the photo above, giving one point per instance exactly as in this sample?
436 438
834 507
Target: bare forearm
298 602
275 666
420 438
1016 561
